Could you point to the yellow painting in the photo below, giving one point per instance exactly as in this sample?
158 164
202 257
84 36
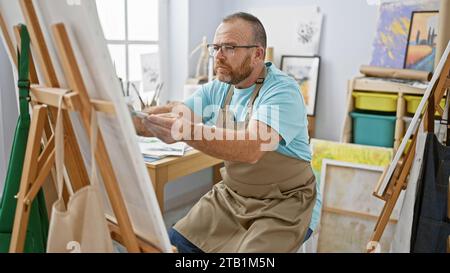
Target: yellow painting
353 153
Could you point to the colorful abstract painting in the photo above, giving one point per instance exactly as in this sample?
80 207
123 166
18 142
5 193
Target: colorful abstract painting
389 47
421 49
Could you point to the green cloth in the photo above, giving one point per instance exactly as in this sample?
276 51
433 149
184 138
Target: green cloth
36 238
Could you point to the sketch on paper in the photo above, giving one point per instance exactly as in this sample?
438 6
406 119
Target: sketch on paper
421 49
150 71
307 34
389 46
297 34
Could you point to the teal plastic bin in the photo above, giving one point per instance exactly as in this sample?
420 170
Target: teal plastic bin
375 130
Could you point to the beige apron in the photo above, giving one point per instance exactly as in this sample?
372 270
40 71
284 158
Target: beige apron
262 207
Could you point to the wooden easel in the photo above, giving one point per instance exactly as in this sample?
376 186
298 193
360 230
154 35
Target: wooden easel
398 179
45 102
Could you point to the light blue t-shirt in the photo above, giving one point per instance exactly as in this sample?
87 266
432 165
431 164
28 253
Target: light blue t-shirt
279 104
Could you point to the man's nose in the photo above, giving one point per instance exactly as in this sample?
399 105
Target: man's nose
219 54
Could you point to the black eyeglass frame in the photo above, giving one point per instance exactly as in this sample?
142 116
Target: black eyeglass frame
211 47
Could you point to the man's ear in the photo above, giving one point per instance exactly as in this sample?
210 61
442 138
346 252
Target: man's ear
259 54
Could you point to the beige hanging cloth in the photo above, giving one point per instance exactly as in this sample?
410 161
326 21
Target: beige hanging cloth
82 227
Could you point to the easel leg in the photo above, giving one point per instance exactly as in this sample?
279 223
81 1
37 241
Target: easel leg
28 175
398 187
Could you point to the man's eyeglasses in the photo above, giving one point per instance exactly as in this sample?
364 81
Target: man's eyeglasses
226 49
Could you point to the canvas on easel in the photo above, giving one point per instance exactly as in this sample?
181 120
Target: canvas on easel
92 55
83 46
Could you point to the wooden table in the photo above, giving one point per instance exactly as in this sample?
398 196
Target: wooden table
170 168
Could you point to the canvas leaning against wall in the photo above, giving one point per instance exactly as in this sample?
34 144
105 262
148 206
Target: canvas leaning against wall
349 211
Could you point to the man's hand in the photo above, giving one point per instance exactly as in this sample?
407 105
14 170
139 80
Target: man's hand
168 127
139 121
154 110
139 125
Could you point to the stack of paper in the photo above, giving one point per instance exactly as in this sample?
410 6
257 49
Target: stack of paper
153 148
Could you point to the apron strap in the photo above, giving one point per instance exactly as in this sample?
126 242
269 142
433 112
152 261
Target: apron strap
259 84
230 93
24 70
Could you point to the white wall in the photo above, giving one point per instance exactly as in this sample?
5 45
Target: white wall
178 25
347 33
204 17
189 21
8 112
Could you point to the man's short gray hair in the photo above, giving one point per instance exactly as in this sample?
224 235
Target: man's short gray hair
260 37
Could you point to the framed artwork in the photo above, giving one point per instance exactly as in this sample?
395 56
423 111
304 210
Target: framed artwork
421 46
305 70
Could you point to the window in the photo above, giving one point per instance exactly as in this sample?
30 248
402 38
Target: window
131 29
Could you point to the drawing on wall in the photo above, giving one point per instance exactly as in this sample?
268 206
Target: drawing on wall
305 70
297 34
150 71
389 47
421 49
307 36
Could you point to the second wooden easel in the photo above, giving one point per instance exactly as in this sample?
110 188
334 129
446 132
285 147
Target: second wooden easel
398 180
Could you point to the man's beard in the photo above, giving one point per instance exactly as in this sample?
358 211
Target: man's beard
235 77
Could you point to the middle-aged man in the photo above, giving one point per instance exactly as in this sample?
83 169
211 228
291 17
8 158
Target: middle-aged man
253 117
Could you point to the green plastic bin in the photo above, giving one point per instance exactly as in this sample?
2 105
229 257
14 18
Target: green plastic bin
374 130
